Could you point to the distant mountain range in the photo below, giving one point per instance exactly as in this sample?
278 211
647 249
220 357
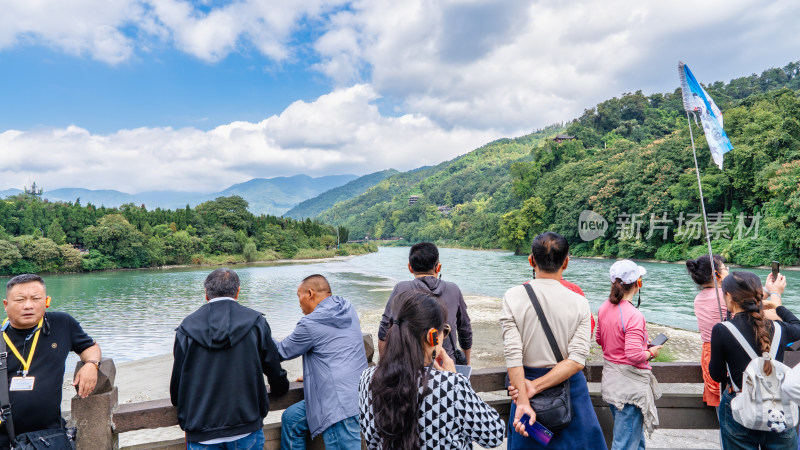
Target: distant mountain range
315 206
272 196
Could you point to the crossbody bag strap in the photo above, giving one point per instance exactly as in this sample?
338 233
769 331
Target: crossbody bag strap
452 342
776 340
742 343
543 320
5 400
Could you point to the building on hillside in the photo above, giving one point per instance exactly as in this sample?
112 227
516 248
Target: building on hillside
444 209
413 199
563 137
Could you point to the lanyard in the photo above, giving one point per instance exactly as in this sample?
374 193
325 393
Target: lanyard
25 364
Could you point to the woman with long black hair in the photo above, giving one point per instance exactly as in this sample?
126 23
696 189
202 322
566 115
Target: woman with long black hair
414 399
745 299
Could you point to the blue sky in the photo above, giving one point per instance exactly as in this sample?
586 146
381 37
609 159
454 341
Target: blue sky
45 87
132 94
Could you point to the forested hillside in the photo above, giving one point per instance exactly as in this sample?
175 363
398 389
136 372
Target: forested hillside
477 187
631 163
41 236
312 207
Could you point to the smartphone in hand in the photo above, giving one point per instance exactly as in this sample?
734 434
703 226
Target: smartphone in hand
776 267
536 431
658 340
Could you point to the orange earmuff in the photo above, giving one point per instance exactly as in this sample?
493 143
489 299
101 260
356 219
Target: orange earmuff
47 302
639 283
433 337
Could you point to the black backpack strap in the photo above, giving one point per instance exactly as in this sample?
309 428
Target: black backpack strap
543 320
5 401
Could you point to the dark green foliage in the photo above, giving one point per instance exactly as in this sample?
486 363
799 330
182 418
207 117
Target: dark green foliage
94 238
314 206
631 155
476 186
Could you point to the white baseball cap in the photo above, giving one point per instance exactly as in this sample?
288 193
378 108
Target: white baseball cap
627 271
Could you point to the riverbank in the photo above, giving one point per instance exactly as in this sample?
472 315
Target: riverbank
303 256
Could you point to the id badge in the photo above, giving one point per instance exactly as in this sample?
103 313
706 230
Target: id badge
21 384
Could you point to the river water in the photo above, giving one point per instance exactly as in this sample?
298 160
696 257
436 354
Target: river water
133 314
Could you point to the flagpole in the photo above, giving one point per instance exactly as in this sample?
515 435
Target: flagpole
705 219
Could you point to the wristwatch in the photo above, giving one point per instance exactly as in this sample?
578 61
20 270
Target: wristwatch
94 363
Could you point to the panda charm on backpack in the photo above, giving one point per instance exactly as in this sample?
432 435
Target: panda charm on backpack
776 421
760 404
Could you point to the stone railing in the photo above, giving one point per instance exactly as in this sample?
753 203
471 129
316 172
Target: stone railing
100 419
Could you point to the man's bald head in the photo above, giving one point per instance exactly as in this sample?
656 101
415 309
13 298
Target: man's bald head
312 291
317 283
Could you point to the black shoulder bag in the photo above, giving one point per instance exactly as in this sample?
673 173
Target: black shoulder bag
5 400
553 406
458 356
53 439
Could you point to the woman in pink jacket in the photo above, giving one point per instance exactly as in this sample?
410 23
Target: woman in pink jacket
628 384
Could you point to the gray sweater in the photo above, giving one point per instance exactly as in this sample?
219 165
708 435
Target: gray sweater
449 295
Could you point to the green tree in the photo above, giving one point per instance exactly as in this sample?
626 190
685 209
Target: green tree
71 259
116 238
519 226
56 233
250 252
327 240
41 252
9 254
230 212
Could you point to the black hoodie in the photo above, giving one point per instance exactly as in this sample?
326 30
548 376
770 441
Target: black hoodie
221 351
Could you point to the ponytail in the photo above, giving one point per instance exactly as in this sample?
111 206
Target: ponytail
746 291
399 376
618 291
700 269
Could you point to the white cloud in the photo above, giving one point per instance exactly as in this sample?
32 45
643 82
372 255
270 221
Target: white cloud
518 65
111 30
340 132
77 27
459 73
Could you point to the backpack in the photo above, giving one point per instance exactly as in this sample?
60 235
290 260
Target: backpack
760 404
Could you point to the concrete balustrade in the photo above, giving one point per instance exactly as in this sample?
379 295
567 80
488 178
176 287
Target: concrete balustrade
100 419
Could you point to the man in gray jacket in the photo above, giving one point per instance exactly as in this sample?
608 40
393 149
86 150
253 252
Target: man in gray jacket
329 339
423 263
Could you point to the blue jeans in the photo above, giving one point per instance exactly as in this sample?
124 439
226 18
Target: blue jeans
253 441
628 428
735 436
344 434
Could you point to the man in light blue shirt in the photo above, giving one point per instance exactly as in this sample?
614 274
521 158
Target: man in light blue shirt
329 339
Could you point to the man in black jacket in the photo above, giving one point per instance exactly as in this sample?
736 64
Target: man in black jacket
221 351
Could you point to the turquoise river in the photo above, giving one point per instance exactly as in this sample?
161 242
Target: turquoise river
133 313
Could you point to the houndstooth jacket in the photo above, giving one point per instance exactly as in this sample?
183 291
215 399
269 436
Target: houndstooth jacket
451 417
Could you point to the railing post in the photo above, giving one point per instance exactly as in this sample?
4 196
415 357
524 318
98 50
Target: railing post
93 415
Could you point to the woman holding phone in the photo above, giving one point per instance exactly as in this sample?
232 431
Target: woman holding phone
745 298
628 385
414 398
710 309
